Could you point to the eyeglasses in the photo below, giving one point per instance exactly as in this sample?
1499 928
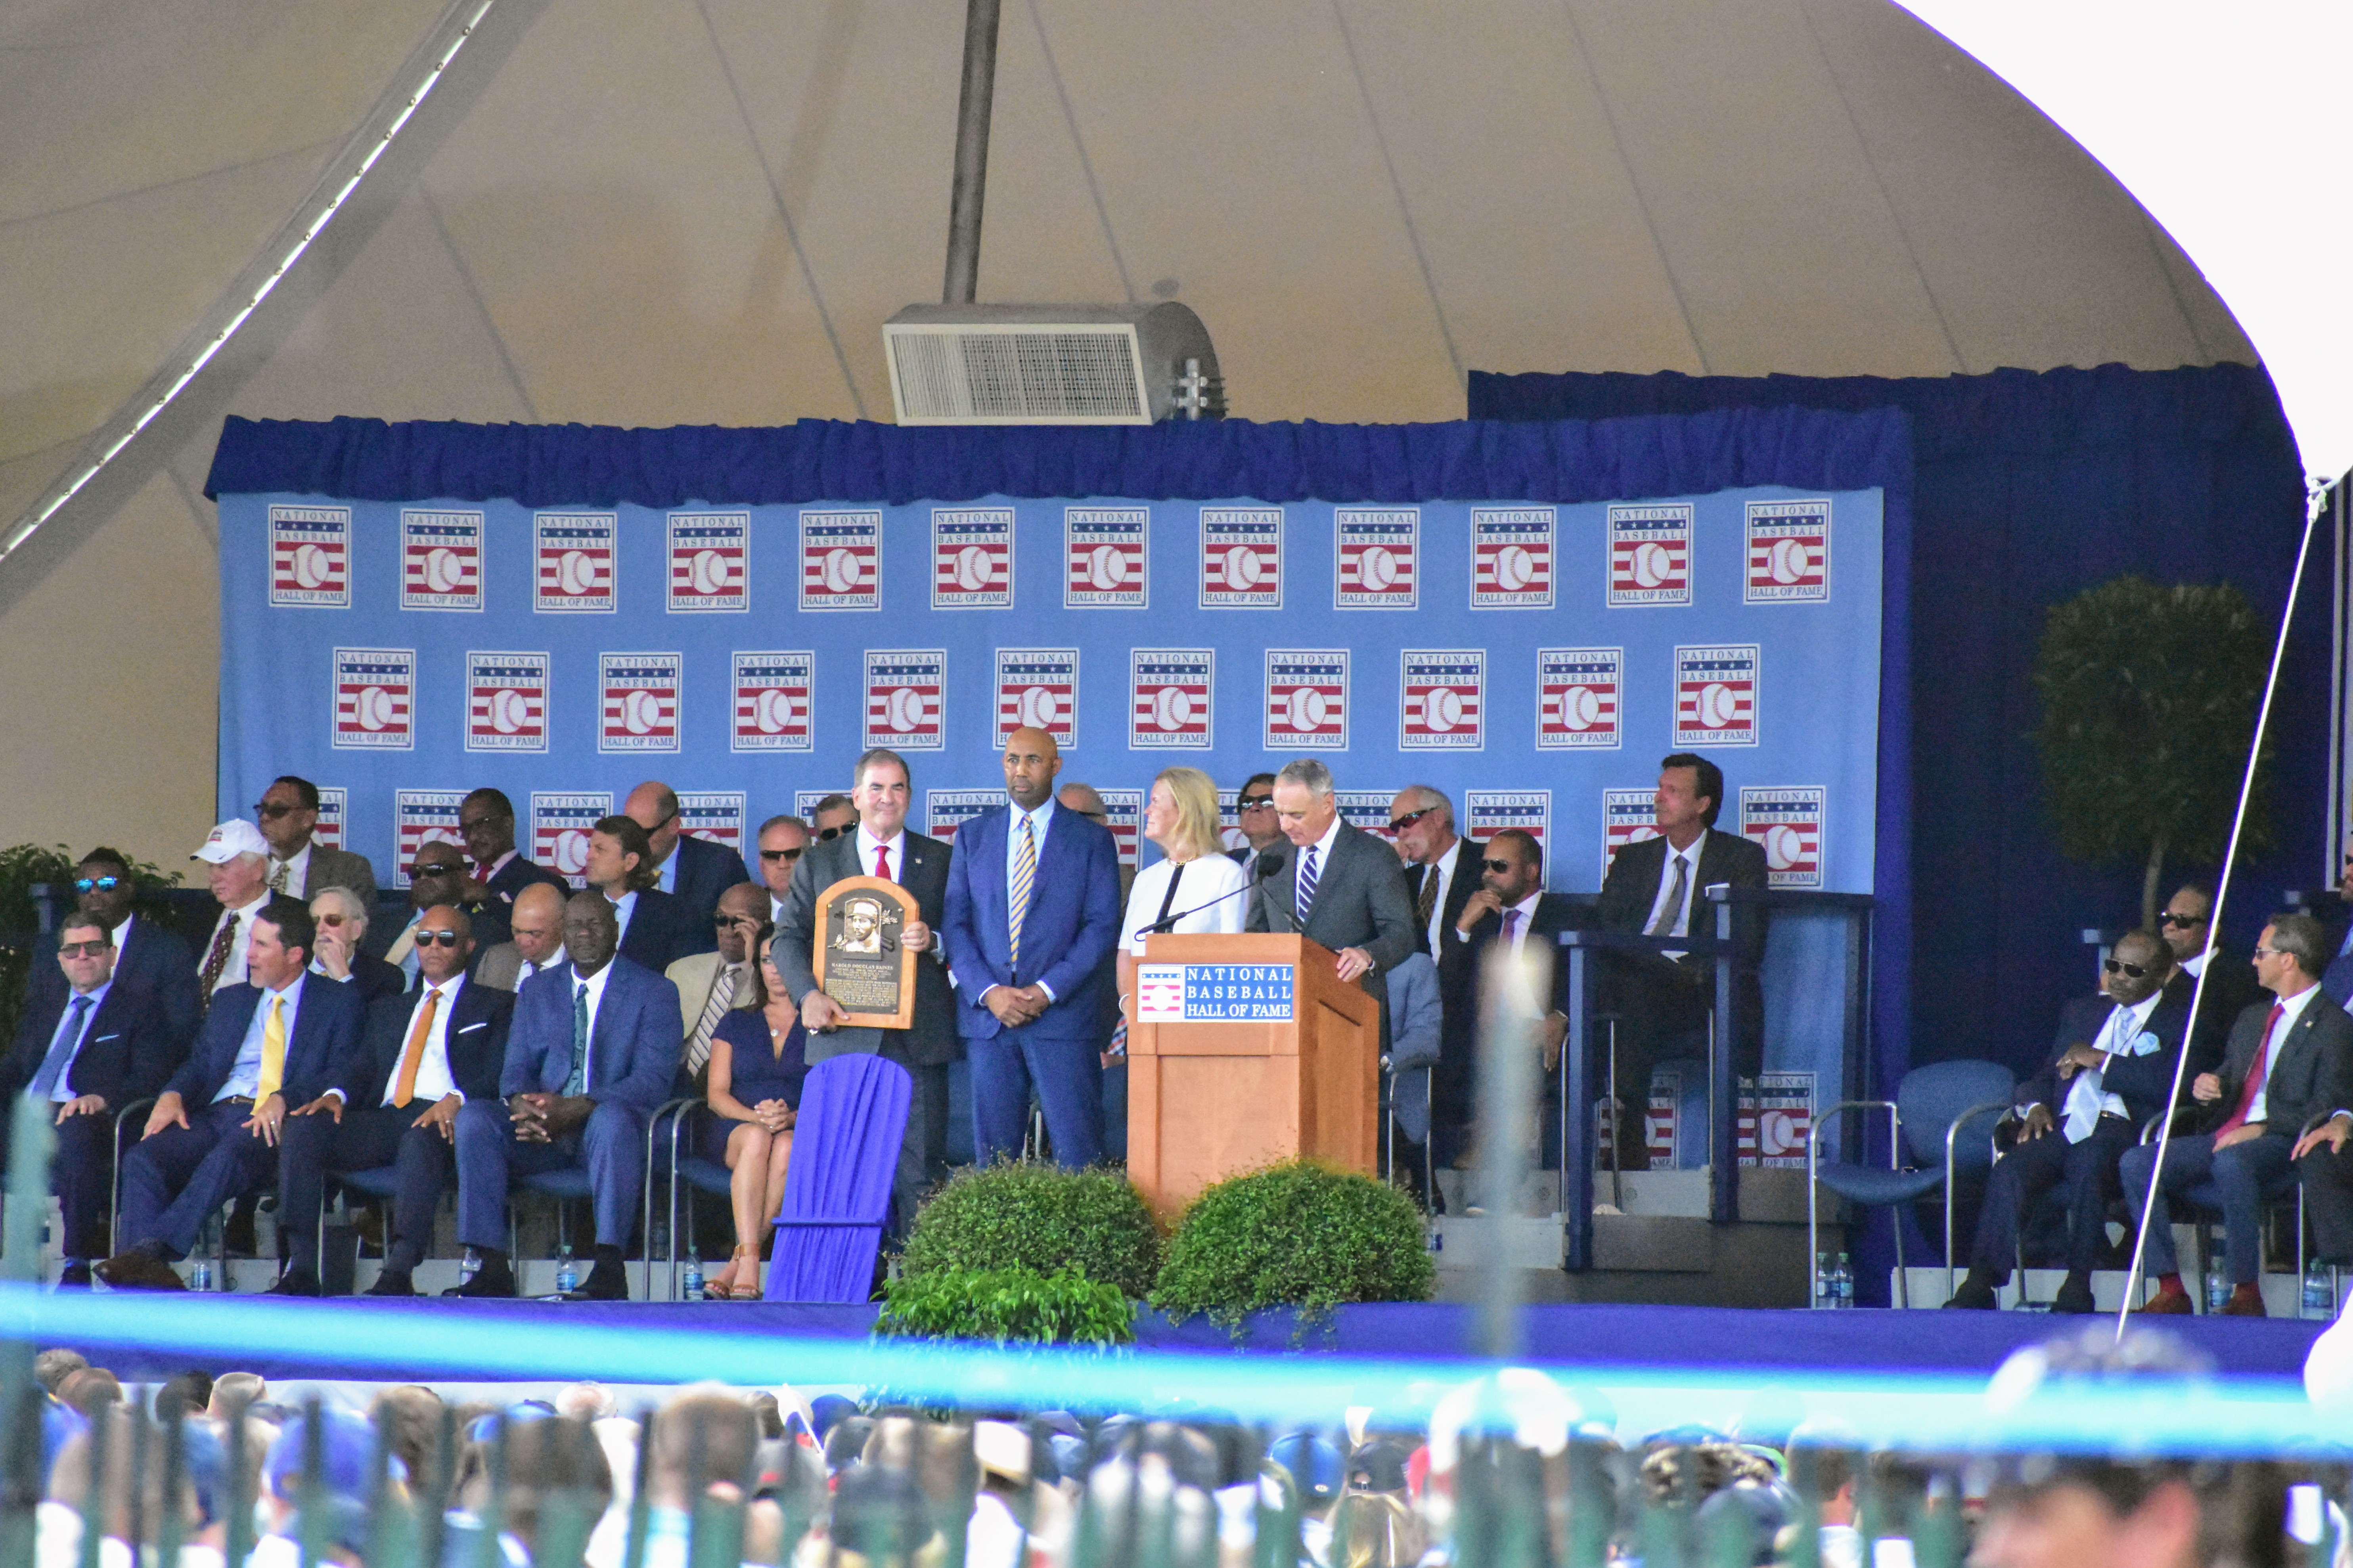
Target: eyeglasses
96 884
272 813
1501 865
331 921
827 835
1400 824
435 868
2136 971
792 854
82 949
1253 802
729 922
466 826
2268 951
2169 918
443 938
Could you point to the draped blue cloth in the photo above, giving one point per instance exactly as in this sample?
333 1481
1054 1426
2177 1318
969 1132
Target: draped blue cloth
853 1115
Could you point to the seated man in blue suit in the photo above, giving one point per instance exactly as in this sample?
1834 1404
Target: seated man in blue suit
86 1047
425 1055
1032 915
277 1038
150 956
590 1056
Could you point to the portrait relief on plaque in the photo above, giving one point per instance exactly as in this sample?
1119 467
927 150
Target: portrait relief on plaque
860 961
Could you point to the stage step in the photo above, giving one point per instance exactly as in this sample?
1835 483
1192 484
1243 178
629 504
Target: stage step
2283 1293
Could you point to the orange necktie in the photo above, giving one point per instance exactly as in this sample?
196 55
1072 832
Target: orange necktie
404 1086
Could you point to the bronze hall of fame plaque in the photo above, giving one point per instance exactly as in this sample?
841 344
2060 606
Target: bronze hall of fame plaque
859 961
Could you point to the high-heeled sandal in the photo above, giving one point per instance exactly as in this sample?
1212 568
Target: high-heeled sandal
746 1260
719 1285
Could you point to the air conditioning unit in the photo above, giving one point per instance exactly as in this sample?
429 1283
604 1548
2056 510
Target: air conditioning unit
1052 364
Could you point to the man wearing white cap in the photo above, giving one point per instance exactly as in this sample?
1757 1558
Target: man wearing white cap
236 866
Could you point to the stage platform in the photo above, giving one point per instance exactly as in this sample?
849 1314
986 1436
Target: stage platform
1771 1343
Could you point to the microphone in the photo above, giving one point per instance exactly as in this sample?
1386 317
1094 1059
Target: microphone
1269 861
1167 923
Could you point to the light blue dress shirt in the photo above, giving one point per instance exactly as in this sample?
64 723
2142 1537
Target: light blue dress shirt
62 1090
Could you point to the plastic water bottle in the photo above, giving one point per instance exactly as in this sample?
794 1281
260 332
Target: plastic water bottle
2319 1292
200 1276
469 1266
1825 1284
567 1272
2218 1289
693 1283
1844 1275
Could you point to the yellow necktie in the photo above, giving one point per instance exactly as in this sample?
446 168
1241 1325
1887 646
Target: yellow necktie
273 1050
403 1088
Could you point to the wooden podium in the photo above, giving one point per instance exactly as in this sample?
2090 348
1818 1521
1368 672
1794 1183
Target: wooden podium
1209 1099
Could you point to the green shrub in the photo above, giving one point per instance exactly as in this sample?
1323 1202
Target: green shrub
1297 1233
1013 1305
1014 1215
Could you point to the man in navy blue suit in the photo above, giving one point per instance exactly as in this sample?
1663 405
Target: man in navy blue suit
1032 912
86 1048
590 1056
652 923
425 1055
277 1039
149 955
486 821
693 870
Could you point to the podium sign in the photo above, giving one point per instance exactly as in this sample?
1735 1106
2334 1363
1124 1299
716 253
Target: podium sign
858 958
1245 1051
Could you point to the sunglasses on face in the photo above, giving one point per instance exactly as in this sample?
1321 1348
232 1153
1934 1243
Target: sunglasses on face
82 949
445 938
1400 824
827 835
331 922
793 853
97 884
1254 802
729 922
2136 971
1501 867
2170 919
272 813
435 869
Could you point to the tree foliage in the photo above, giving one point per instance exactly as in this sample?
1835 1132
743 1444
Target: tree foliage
2149 695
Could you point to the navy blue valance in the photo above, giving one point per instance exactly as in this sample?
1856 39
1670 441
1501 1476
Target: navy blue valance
1562 462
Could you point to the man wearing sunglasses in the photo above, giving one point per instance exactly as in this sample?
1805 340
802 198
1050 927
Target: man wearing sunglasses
832 817
1510 907
1254 817
299 866
783 841
150 956
711 984
2231 987
343 925
86 1047
2110 1071
693 870
438 879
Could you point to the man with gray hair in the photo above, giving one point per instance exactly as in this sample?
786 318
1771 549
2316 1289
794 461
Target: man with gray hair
1337 885
2286 1084
342 923
783 840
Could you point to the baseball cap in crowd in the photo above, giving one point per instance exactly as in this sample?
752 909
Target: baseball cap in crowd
230 839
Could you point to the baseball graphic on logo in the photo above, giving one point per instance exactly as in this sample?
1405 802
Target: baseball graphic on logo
1377 569
508 712
709 572
842 570
1241 567
1171 708
1442 710
442 573
1107 567
1650 563
771 710
1789 560
1716 706
904 708
974 569
640 712
1777 1134
1307 708
1580 708
572 851
310 566
575 574
1514 568
373 707
1782 847
1038 707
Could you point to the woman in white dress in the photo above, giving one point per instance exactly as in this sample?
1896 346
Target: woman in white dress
1196 881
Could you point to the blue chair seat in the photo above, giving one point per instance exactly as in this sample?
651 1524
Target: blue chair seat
1875 1184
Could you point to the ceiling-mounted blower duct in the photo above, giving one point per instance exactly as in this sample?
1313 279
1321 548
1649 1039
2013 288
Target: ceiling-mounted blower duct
1052 364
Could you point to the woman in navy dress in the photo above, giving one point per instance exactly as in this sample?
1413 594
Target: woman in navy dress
752 1090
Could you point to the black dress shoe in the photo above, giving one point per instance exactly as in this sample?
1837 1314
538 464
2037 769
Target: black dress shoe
606 1283
1974 1294
2075 1297
296 1282
491 1282
75 1278
238 1238
140 1268
391 1282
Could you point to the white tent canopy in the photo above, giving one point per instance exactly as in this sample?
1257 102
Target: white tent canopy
2228 123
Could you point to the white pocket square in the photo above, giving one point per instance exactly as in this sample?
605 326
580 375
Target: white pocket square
472 1027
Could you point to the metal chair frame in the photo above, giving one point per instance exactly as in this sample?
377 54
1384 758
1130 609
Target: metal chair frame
1894 1158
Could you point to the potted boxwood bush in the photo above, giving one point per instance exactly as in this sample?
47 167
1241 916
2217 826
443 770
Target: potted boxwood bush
1293 1235
1027 1214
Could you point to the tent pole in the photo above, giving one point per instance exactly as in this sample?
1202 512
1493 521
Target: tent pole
971 179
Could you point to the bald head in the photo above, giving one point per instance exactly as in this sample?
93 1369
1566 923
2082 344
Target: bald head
653 806
1031 760
742 910
538 923
1084 799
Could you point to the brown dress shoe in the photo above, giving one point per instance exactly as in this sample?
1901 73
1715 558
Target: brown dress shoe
2246 1302
140 1268
2170 1301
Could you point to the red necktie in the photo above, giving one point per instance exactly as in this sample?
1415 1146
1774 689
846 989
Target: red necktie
882 861
2255 1075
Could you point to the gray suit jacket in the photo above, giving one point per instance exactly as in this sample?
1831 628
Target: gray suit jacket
340 868
499 967
931 1040
1360 901
692 975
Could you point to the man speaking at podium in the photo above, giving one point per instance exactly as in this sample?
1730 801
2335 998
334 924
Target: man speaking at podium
1336 885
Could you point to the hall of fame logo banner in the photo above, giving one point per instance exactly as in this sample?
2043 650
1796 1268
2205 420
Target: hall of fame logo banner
1038 688
422 817
1442 700
1108 550
1366 810
1775 1118
945 810
1488 812
333 803
774 702
440 560
1788 822
560 825
805 802
1716 696
1376 558
1788 552
1511 557
1579 694
1123 814
710 561
573 556
1241 558
714 815
1627 816
841 561
1170 698
506 701
1307 699
972 558
906 699
1649 555
311 557
376 699
637 702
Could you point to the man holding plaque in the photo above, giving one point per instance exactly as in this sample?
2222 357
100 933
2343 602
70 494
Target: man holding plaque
864 939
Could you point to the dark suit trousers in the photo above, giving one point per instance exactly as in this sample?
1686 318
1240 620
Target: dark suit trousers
366 1139
1067 1075
923 1152
611 1146
173 1181
2244 1173
2327 1176
83 1175
2088 1171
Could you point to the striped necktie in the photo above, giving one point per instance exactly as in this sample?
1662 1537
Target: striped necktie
1025 877
714 1009
1306 900
216 961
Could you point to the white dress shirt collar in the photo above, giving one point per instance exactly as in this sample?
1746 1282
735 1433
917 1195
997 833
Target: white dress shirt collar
896 844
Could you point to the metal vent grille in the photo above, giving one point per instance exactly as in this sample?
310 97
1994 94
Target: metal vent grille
990 374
